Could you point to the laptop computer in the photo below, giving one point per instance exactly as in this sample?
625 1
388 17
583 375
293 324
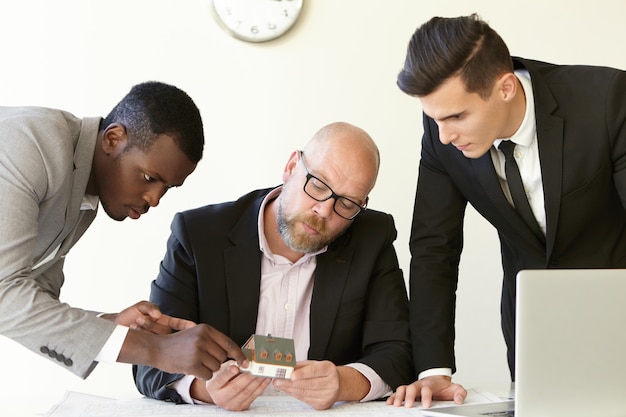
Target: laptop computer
570 347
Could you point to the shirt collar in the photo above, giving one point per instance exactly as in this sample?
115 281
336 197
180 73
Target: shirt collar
526 132
90 202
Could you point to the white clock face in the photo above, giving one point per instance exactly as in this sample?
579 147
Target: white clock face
257 20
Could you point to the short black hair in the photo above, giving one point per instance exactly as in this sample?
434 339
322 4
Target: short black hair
446 47
154 108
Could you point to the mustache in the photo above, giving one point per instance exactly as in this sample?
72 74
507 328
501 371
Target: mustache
313 222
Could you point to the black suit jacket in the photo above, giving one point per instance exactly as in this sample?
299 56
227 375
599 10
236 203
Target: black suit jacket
359 308
581 133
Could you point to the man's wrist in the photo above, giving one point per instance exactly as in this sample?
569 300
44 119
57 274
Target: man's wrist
353 385
199 393
141 348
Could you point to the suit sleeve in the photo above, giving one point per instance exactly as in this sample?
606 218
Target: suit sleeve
174 291
386 341
359 308
436 242
616 122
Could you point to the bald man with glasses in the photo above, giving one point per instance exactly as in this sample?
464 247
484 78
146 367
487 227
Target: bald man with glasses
305 261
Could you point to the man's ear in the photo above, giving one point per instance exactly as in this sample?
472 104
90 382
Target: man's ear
291 165
114 139
507 86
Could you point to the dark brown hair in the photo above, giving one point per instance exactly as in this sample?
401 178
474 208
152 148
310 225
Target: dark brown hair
445 47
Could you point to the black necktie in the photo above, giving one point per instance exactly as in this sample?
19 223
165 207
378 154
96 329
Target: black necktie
514 179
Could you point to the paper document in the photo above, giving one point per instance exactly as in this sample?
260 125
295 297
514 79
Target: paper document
82 405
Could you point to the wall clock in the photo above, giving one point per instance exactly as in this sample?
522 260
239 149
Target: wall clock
257 20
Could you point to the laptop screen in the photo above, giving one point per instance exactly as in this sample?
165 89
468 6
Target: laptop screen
571 343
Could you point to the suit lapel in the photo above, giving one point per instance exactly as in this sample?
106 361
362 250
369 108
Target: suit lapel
550 143
486 175
242 263
83 219
331 276
76 220
488 178
83 160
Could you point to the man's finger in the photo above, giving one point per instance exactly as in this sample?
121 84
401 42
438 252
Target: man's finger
411 394
232 350
224 375
151 326
460 395
426 397
175 323
397 397
149 309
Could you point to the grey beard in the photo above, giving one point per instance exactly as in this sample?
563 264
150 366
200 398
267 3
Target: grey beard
303 246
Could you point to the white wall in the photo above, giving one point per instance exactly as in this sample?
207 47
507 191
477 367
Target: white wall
259 102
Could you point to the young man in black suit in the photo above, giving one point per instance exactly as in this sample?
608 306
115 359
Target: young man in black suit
567 125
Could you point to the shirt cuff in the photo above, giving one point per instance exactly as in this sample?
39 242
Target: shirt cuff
183 388
434 372
113 346
378 387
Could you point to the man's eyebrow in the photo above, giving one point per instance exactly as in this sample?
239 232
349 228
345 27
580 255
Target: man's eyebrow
449 116
155 175
170 185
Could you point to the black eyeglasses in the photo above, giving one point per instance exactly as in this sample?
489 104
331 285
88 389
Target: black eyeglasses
318 190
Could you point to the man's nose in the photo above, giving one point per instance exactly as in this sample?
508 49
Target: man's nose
324 208
446 136
154 195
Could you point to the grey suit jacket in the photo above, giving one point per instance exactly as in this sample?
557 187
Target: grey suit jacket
45 162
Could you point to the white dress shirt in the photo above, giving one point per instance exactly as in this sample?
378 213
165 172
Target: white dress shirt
526 155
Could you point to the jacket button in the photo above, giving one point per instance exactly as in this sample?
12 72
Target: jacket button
61 358
68 362
44 350
52 353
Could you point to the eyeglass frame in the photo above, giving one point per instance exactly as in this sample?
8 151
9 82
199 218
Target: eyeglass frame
332 195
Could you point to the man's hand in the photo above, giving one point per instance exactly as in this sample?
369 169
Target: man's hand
313 382
320 384
428 389
198 351
230 388
148 317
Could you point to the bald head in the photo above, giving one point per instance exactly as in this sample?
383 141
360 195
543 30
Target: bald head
325 186
347 148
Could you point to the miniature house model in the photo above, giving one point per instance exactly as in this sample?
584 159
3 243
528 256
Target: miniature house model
270 356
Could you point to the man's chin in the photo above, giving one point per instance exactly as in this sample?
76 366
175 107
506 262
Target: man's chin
305 245
474 154
116 217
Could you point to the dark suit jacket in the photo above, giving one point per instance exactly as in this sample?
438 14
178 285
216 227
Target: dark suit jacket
581 133
359 309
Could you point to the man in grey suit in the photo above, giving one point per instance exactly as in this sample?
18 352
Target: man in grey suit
485 114
304 260
54 170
